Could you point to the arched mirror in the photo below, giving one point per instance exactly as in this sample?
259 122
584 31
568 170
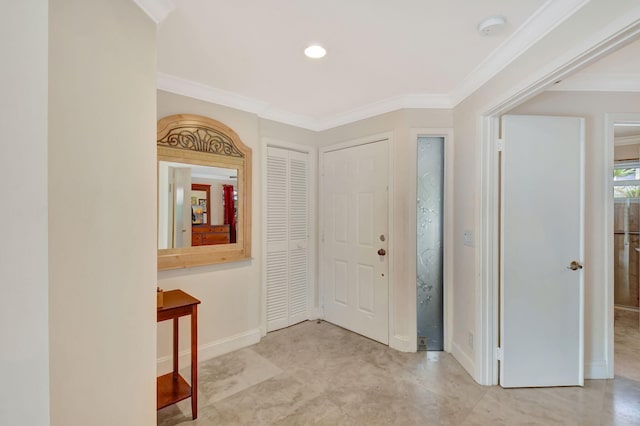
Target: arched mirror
204 193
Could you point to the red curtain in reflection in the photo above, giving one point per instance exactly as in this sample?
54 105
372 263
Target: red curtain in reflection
229 211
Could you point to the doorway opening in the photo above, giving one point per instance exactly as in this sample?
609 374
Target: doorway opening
488 251
626 250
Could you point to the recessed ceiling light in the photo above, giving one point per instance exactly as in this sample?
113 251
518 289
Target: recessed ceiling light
315 51
491 25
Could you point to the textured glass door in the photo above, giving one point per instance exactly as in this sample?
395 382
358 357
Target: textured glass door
430 188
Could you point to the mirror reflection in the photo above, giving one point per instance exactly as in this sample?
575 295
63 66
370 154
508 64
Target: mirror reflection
197 205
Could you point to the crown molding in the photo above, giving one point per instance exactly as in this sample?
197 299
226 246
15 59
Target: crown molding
426 101
627 140
599 83
157 10
542 22
192 89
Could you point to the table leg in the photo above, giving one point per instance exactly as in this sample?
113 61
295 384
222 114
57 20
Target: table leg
175 346
194 362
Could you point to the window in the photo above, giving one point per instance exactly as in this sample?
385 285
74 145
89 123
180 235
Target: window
626 179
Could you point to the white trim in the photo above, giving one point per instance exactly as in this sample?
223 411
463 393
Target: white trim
448 237
608 157
316 314
551 14
596 370
437 101
462 357
542 22
487 253
157 10
621 31
627 140
393 337
599 83
602 43
313 311
192 89
210 350
356 142
402 343
391 200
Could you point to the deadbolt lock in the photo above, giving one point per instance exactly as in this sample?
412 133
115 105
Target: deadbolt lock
574 265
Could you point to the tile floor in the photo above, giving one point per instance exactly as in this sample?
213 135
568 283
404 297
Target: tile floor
317 373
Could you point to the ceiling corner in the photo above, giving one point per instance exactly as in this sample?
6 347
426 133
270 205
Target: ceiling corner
157 10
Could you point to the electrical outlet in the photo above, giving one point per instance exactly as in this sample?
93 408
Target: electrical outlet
470 338
468 239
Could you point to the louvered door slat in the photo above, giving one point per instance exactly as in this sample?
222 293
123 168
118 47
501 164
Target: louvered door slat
287 237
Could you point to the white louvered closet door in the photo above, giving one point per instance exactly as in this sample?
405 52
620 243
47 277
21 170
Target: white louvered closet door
287 237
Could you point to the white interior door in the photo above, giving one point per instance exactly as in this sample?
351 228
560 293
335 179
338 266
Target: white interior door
182 207
355 228
542 226
287 262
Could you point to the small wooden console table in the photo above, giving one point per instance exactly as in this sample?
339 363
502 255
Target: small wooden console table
172 387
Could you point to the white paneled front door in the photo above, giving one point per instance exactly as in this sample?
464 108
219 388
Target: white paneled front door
542 236
355 239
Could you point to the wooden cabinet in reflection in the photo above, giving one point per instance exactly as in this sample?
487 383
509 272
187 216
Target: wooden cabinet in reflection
207 235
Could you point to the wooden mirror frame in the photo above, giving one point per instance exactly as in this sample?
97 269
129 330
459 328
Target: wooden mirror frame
195 139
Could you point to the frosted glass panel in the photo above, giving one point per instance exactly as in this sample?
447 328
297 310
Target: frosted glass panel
430 188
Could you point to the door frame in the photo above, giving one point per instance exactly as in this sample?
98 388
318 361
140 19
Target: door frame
487 253
312 302
395 341
447 231
609 161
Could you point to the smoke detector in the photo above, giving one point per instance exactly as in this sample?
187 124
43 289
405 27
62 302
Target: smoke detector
491 25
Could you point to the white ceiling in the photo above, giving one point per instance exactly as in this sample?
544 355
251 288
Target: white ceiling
382 55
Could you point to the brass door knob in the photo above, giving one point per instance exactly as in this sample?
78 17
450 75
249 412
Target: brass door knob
382 252
574 265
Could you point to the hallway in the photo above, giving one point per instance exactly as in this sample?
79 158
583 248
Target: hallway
317 373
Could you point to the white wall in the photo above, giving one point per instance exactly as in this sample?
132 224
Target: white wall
403 174
231 310
24 358
102 249
593 106
572 37
230 313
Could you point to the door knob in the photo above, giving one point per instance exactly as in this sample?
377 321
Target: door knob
382 252
574 265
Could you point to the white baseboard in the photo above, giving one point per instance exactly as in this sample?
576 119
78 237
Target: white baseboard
596 370
211 350
464 359
316 313
402 343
